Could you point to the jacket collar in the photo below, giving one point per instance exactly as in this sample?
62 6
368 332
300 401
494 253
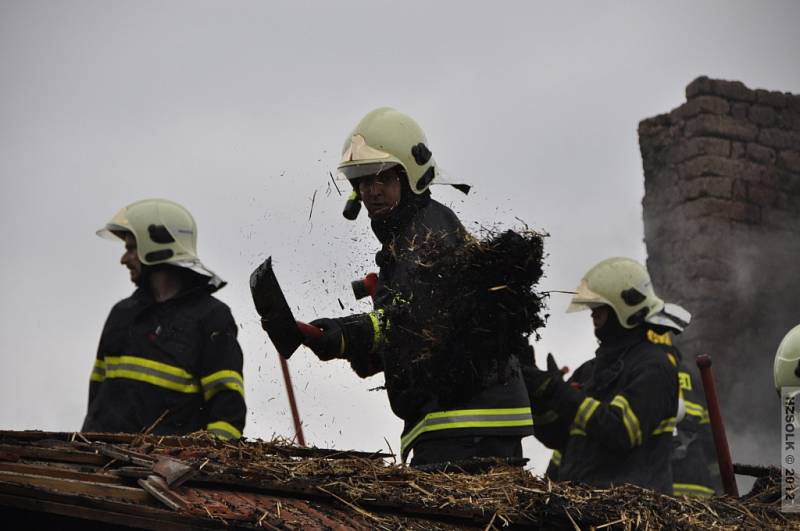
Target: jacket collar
610 351
388 228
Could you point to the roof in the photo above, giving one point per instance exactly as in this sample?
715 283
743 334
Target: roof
193 482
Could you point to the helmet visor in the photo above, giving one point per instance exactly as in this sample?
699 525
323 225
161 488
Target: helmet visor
585 299
359 150
113 232
357 171
118 224
360 159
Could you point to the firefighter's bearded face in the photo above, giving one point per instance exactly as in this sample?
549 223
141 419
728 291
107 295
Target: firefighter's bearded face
130 258
381 192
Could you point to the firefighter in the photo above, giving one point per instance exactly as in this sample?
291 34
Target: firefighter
786 372
389 163
168 358
786 369
612 421
693 462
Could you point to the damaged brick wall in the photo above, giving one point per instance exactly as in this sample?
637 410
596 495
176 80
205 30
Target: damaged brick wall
722 229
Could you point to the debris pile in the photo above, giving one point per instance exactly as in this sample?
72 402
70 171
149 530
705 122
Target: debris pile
195 482
474 307
767 487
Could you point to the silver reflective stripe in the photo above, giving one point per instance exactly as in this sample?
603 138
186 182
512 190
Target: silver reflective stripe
476 418
147 370
98 373
486 418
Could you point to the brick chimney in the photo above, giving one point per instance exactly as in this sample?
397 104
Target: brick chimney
722 230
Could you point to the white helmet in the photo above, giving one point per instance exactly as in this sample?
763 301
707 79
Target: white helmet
385 138
672 316
623 284
165 233
786 370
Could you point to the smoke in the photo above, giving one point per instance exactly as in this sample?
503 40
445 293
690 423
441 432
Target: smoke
740 325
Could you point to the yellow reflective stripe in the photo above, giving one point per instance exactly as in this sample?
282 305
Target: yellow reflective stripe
556 458
480 424
398 299
154 380
693 408
629 419
577 431
223 430
697 410
685 380
659 339
466 412
546 418
377 334
692 489
666 426
672 359
467 418
585 412
98 371
220 381
152 372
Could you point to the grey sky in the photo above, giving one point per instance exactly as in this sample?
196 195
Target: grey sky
238 110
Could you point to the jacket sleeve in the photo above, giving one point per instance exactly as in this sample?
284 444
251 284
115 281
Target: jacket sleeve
221 375
98 375
697 421
367 334
553 415
644 407
696 417
553 466
364 335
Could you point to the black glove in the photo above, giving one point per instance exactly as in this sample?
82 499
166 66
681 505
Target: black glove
258 286
330 345
526 357
542 384
342 337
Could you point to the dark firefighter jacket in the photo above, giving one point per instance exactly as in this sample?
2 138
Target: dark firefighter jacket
501 409
180 356
612 422
693 453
